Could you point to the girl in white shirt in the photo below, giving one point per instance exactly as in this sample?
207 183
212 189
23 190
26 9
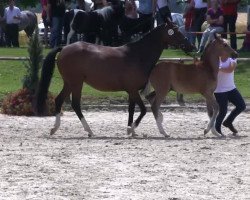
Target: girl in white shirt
225 92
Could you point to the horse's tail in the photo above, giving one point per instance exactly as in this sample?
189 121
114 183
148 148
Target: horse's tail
46 76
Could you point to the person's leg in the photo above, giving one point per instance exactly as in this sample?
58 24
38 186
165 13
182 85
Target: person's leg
222 100
8 35
232 28
15 38
200 20
204 39
236 99
54 31
213 31
225 26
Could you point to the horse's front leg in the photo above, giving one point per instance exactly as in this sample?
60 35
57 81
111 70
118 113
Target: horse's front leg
135 98
131 110
76 97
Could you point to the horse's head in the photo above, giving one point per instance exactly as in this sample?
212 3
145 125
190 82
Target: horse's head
173 37
222 47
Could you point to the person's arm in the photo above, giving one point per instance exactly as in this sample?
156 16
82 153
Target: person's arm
229 69
18 16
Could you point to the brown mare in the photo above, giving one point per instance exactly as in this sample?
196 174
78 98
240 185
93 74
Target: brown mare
199 77
125 68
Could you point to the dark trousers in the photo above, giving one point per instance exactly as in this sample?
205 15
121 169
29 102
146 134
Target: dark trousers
223 98
199 19
147 22
12 35
229 25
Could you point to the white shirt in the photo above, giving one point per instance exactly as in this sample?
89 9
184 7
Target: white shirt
9 15
200 4
225 81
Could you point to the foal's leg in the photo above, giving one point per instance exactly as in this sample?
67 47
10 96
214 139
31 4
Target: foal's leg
213 110
76 98
137 99
58 104
159 98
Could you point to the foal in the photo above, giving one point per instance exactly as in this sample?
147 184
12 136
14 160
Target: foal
199 77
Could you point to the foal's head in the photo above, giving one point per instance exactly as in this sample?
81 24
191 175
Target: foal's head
173 37
220 47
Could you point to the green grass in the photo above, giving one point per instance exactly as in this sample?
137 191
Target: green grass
12 72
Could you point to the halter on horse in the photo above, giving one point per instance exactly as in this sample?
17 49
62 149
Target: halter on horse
125 68
200 78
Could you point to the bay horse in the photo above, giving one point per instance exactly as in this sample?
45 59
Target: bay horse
28 22
199 77
124 68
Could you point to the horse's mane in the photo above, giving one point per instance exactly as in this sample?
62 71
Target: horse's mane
205 51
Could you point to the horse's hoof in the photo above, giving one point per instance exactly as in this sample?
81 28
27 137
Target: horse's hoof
130 130
134 135
206 131
90 135
52 131
167 136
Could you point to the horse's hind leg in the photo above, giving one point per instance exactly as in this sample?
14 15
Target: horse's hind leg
135 98
76 98
159 98
58 105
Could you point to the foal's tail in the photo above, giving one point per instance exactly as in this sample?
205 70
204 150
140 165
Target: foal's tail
46 76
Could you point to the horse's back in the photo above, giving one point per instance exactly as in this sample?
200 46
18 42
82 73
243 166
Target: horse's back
186 78
104 68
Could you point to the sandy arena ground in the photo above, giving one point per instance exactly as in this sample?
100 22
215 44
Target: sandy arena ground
187 166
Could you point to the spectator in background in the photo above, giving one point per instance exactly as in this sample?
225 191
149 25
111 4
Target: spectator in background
162 11
81 4
189 17
12 16
200 10
145 11
55 16
45 22
215 21
229 8
130 10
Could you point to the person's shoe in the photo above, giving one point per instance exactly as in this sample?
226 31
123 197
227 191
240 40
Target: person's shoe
231 127
201 49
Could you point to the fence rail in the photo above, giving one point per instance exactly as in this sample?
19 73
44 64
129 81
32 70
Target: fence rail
3 58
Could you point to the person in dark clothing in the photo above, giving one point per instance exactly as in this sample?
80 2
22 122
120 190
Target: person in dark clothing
229 8
55 16
12 16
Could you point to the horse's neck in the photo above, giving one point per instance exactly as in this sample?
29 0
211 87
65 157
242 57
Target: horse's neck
211 62
148 49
